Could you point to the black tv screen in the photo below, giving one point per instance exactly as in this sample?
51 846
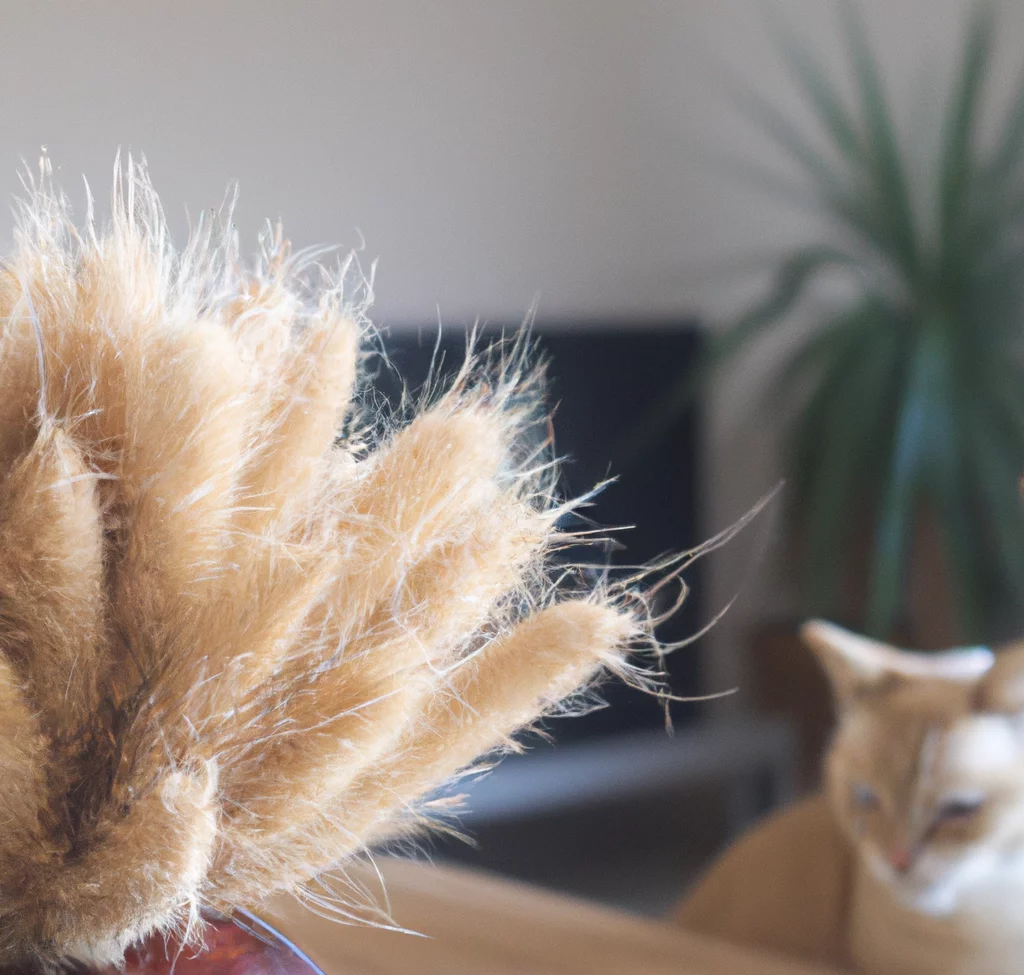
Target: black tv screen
607 386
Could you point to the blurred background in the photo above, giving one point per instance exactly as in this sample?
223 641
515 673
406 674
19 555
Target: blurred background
648 178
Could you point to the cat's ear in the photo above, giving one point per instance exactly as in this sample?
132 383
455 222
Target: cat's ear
857 665
1002 690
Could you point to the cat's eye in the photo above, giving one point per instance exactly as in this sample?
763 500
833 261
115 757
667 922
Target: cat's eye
865 797
959 808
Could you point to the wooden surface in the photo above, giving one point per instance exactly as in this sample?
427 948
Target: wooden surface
476 924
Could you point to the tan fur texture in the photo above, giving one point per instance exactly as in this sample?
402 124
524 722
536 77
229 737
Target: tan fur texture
783 887
236 646
913 859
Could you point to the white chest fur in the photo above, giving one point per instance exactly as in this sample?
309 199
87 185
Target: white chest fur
984 936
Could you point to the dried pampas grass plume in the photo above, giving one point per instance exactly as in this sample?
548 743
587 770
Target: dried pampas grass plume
239 648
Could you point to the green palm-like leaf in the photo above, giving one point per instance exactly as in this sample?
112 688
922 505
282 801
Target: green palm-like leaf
885 159
902 493
789 285
823 96
960 128
846 428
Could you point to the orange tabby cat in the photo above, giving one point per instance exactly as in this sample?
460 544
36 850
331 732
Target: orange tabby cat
912 861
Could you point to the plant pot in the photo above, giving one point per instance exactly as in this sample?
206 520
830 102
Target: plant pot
928 620
243 945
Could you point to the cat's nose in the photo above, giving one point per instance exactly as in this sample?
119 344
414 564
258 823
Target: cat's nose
900 857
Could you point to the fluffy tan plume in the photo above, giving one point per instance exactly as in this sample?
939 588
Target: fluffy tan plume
236 647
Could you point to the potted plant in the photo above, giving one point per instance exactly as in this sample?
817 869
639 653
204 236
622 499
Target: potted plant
905 402
908 399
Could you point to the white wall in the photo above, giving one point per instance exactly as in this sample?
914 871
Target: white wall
488 152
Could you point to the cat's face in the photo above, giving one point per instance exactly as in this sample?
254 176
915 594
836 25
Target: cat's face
926 770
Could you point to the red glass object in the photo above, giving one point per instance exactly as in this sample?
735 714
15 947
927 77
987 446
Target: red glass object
240 946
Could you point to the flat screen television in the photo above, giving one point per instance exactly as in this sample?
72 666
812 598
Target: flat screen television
607 383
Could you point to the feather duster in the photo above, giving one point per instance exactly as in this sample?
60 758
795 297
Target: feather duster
246 628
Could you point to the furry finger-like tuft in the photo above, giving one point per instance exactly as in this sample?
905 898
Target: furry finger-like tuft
249 625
